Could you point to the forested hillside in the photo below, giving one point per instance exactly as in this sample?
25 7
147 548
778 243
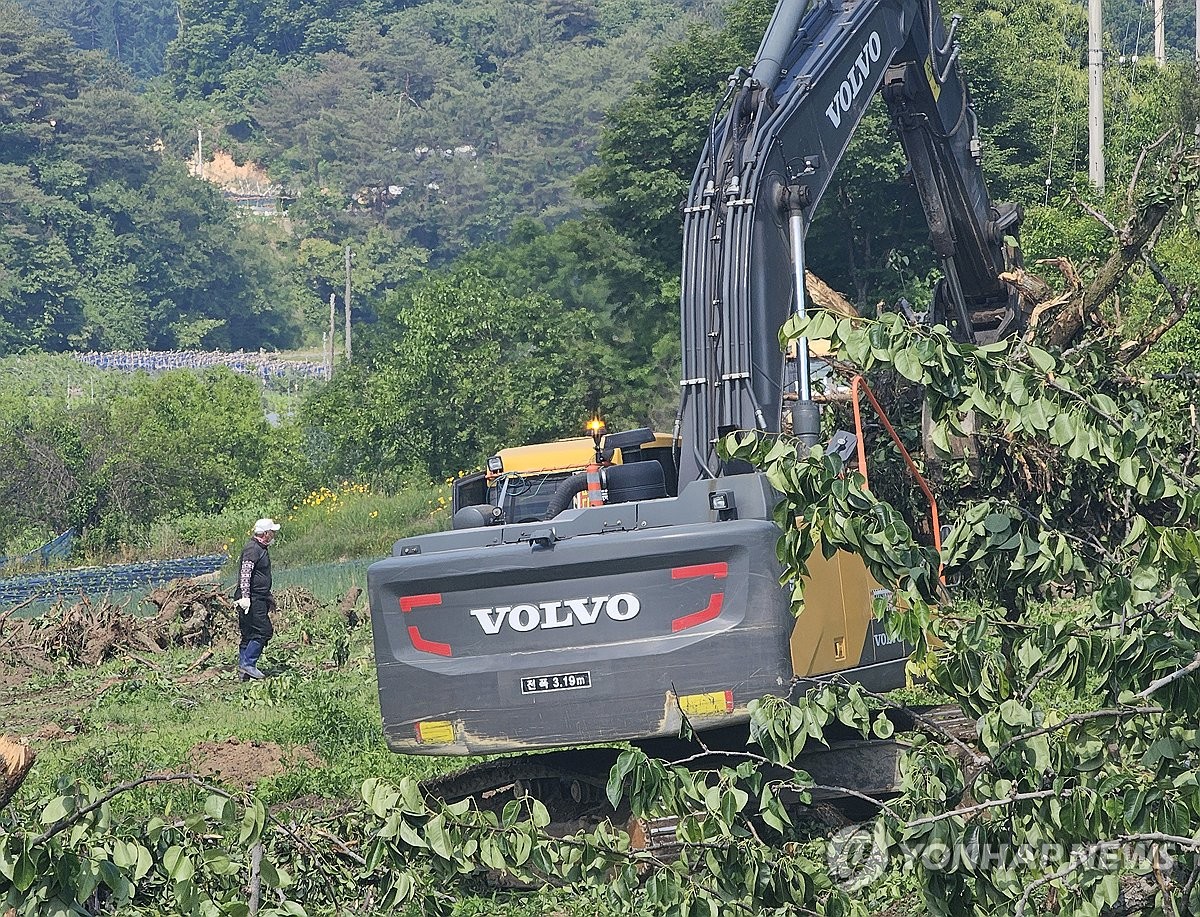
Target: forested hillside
507 177
438 122
106 242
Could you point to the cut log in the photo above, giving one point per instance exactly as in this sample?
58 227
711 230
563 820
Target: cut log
16 758
822 294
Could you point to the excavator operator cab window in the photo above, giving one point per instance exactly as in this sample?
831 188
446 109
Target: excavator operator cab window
468 490
524 498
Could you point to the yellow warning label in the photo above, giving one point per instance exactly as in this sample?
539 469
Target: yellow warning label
934 86
435 732
715 703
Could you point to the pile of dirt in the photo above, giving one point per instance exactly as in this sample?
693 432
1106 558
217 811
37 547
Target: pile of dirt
191 615
239 762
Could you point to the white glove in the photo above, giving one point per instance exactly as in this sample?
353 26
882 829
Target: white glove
243 603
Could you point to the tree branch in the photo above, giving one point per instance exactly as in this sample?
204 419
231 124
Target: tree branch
1077 861
1074 719
1097 215
1137 169
1174 676
1080 858
1131 242
1131 350
67 820
983 806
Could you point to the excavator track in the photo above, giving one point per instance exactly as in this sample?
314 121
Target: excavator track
572 783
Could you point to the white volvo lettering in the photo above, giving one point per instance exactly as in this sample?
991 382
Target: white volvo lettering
525 617
623 606
490 619
551 615
584 615
856 78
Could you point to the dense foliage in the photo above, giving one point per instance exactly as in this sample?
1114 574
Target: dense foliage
1072 645
1072 642
464 370
439 122
106 243
183 443
134 33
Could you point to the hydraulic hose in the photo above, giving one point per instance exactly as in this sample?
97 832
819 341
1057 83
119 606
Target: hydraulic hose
564 493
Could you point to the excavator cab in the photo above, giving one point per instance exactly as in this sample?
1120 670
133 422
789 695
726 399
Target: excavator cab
519 482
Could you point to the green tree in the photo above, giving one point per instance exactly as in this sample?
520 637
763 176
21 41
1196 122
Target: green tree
586 265
465 369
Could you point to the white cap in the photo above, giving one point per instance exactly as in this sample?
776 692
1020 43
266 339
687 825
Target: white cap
262 526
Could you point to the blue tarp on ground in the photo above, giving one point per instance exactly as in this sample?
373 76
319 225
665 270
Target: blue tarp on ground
115 578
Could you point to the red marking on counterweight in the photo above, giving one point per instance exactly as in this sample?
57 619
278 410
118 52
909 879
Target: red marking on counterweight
427 646
720 571
699 617
409 602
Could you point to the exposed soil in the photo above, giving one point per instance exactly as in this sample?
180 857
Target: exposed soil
46 703
222 170
244 763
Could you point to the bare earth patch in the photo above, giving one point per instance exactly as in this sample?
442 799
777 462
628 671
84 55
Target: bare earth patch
244 763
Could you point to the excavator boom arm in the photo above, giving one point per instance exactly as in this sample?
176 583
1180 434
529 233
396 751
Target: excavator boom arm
768 163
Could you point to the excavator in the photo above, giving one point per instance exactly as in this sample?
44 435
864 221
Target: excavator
640 591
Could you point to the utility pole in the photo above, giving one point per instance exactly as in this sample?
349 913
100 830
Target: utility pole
1160 34
1095 96
347 302
199 153
332 316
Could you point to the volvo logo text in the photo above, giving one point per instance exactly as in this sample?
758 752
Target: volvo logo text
857 76
523 618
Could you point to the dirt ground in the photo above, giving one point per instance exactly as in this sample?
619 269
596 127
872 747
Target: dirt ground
47 693
244 763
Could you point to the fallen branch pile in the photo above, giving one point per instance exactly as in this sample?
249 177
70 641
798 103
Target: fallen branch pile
87 633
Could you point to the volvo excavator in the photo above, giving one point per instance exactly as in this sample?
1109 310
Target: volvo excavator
639 594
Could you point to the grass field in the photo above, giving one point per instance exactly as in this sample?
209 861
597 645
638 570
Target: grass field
306 737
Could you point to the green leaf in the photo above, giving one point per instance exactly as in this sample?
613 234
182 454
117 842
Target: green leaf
1040 358
219 808
270 875
436 837
57 808
24 872
1014 714
908 364
178 864
616 778
997 522
253 822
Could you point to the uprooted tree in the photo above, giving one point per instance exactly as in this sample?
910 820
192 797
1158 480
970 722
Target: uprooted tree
1072 640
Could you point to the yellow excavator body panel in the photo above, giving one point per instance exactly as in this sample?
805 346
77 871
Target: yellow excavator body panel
564 455
831 632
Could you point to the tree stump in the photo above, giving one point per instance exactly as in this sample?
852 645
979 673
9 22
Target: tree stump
16 758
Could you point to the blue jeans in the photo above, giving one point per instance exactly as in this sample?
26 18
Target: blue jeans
256 629
249 654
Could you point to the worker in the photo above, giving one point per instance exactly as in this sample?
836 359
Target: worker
253 599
